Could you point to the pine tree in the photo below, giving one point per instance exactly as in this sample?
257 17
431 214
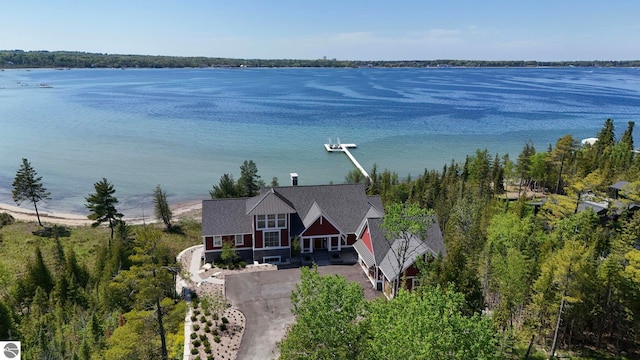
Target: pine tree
102 205
28 186
162 210
226 188
249 182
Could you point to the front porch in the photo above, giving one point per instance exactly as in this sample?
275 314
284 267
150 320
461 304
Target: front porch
323 257
331 243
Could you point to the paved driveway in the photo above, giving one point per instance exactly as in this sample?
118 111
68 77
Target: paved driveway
264 299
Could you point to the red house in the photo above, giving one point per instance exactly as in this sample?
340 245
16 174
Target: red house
264 228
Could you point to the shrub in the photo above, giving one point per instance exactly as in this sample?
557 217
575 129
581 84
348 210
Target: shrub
196 327
242 264
209 323
206 343
207 349
193 318
194 351
6 219
215 316
216 339
215 332
193 335
225 320
223 327
210 357
203 319
207 312
207 329
196 312
203 338
196 343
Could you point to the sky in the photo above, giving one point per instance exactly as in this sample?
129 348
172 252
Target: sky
542 30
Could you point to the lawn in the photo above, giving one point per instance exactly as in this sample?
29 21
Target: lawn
19 240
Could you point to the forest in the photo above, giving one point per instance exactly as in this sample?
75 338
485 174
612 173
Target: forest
542 253
11 59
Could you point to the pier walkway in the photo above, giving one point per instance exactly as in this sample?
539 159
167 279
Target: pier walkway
345 149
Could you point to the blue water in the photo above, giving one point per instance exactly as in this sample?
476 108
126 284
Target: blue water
184 128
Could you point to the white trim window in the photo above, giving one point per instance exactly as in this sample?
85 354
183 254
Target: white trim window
271 221
239 240
271 238
217 241
272 259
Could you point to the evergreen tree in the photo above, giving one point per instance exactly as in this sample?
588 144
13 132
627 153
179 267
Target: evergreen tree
226 188
161 207
102 205
249 182
28 186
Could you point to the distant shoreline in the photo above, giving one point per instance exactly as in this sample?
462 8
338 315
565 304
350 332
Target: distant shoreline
15 59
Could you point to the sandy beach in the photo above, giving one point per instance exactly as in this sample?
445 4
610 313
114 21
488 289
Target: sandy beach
186 210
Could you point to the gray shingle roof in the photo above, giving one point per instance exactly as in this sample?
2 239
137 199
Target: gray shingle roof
345 205
225 217
619 185
269 203
364 253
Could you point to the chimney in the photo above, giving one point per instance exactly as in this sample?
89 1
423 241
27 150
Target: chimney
294 179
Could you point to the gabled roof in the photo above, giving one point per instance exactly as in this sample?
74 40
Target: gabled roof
225 217
619 185
385 257
268 203
344 205
313 214
599 208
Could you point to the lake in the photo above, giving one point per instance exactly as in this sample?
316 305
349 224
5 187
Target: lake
184 128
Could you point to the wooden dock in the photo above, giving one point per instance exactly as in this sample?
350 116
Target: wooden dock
345 149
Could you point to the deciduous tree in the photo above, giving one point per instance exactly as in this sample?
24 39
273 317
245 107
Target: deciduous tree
401 223
426 325
326 309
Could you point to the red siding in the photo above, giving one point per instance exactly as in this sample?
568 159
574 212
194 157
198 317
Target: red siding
208 241
351 239
411 271
366 239
258 238
284 237
247 240
319 229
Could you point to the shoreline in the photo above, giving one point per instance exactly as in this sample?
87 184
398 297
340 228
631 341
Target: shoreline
183 210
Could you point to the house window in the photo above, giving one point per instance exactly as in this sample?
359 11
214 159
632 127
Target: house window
239 240
271 259
272 239
272 221
217 241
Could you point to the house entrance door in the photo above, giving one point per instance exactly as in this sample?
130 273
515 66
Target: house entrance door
320 243
306 245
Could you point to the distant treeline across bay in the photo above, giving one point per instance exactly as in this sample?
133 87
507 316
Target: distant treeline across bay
10 59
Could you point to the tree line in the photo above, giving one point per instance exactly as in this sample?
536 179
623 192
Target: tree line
75 59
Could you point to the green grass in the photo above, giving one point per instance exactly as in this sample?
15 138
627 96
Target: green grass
19 240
